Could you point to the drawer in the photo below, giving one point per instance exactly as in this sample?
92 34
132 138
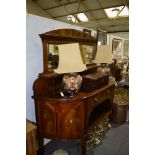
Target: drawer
98 99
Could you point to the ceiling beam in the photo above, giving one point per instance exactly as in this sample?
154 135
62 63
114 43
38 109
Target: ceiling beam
75 16
104 21
60 5
100 4
42 8
126 2
88 10
118 27
107 27
118 31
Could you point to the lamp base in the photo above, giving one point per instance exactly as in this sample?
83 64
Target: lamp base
71 84
103 69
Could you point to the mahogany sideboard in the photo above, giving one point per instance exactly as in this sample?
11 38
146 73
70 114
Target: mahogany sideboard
71 118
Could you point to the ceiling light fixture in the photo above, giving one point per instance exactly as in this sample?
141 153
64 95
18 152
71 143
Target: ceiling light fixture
72 19
115 9
121 11
82 17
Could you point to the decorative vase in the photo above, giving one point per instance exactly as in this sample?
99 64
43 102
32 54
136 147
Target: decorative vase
71 84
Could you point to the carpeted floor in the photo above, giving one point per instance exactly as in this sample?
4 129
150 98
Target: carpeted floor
116 142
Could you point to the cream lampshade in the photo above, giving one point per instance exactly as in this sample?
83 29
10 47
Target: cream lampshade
70 62
70 59
103 55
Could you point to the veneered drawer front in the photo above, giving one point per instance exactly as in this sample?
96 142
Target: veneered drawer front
97 99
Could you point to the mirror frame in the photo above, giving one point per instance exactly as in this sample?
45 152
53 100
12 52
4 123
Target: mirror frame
63 36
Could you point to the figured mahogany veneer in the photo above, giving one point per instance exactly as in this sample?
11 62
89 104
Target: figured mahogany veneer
69 118
72 118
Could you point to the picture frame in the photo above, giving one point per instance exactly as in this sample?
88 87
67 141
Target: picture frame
116 46
101 37
126 48
87 31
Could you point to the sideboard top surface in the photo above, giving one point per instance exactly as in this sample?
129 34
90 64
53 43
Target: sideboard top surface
81 94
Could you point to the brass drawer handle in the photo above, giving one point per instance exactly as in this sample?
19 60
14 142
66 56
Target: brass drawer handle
70 121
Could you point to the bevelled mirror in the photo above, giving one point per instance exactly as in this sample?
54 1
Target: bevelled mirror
87 53
53 56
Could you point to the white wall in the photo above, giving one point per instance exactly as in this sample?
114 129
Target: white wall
36 25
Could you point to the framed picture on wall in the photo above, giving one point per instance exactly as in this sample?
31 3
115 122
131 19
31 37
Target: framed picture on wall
126 48
87 31
101 37
116 46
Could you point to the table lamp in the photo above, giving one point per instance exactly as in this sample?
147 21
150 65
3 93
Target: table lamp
103 56
70 62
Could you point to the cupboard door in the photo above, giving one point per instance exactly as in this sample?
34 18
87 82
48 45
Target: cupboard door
47 119
70 119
